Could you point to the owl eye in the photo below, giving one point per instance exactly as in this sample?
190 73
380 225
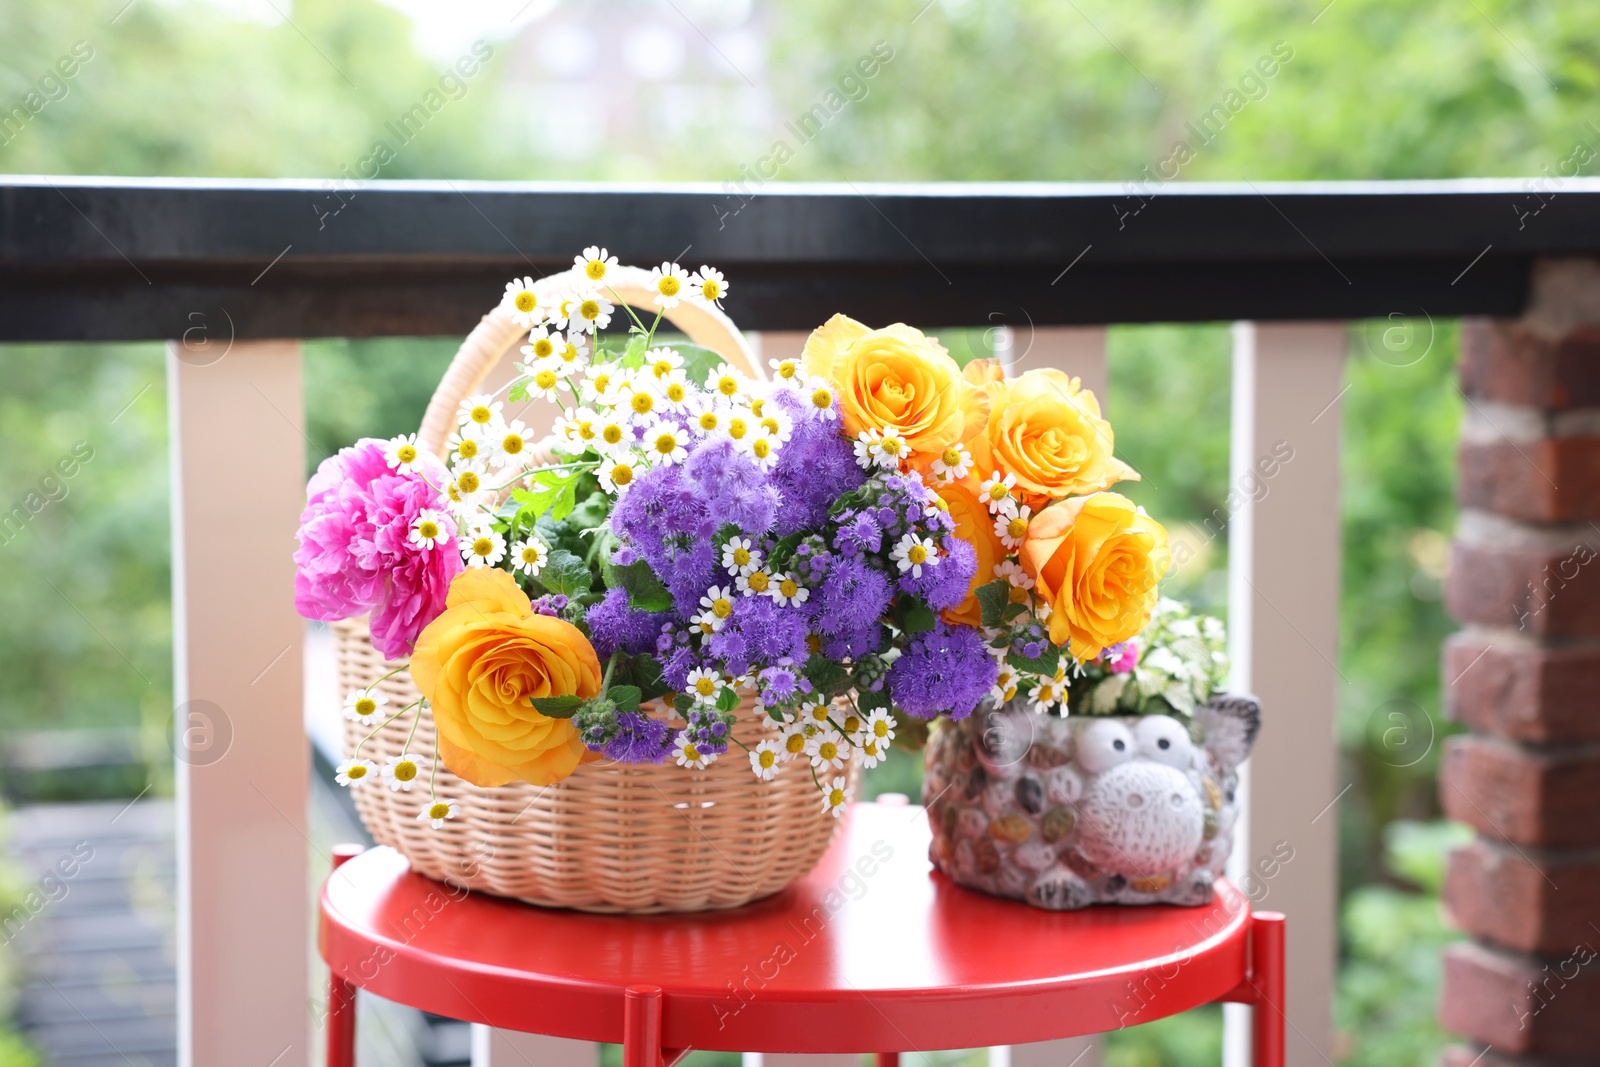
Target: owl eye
1103 744
1163 739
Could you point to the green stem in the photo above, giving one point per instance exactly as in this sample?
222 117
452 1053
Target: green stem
626 307
434 773
611 665
414 724
381 725
386 677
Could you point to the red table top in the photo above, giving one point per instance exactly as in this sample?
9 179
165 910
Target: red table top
873 951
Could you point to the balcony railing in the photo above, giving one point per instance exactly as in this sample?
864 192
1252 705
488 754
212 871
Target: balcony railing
234 273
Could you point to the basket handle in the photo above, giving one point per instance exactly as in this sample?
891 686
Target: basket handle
496 334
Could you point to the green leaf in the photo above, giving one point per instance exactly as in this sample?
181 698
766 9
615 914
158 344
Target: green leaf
698 363
645 591
557 707
1045 664
727 699
868 701
633 355
829 678
627 697
566 573
683 702
910 733
519 392
591 511
918 618
993 598
554 492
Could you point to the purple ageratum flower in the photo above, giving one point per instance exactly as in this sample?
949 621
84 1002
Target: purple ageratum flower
859 534
778 684
624 556
614 625
850 644
815 467
851 598
759 633
945 584
355 553
946 669
552 604
639 739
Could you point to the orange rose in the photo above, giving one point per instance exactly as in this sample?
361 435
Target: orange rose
1096 561
479 664
895 376
1047 430
974 526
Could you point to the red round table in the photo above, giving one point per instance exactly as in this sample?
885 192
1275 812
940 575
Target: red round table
873 951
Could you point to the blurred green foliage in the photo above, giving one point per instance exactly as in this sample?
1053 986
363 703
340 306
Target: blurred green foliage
976 89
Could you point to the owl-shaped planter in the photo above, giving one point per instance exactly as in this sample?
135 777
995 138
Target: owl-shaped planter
1068 812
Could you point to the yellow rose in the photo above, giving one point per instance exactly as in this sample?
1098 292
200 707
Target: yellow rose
974 526
1045 428
895 376
481 661
1096 561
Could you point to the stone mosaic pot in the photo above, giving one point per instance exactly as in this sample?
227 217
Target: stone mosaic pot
1064 813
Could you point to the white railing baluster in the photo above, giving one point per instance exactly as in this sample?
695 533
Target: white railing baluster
238 484
1283 522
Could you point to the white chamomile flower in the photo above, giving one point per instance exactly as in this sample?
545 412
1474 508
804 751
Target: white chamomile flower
522 302
541 345
401 772
604 384
364 706
879 726
1011 524
708 285
872 753
828 749
764 759
529 556
718 604
1046 696
579 428
483 548
821 395
785 590
775 424
1005 686
466 444
467 487
435 812
792 739
996 490
594 262
427 530
571 351
479 410
669 281
613 435
509 444
739 426
355 772
703 685
674 392
763 448
756 583
590 311
643 404
912 553
660 362
871 451
787 372
688 754
1012 572
402 453
664 442
953 464
836 796
706 416
617 473
740 556
727 384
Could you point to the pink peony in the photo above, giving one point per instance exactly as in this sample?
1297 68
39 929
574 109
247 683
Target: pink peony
355 552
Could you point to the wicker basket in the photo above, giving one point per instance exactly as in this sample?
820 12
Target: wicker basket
612 837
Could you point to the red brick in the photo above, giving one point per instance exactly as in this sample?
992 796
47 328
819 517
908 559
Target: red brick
1521 690
1509 363
1520 1004
1537 591
1555 479
1531 798
1472 1056
1539 904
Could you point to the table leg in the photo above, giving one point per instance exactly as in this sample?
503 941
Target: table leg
1267 929
641 1026
341 1023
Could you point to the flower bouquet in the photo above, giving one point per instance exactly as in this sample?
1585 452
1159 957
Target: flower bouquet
706 594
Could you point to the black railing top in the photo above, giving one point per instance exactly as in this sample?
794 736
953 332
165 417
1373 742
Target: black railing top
127 258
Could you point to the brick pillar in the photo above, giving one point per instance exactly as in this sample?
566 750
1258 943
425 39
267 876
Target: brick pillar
1525 677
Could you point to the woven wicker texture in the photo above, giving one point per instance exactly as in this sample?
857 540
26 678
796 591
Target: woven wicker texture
612 837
